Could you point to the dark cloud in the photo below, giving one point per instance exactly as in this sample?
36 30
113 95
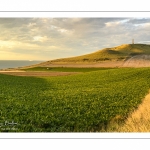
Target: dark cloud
14 22
139 21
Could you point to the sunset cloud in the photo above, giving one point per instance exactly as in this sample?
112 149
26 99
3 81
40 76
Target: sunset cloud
51 38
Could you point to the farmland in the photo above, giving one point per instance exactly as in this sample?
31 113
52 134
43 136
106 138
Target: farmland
92 101
64 69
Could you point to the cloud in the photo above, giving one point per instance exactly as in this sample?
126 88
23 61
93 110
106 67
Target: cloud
51 38
139 20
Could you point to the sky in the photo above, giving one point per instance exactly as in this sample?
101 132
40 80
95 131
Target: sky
52 38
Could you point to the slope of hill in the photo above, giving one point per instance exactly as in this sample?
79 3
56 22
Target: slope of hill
119 53
126 55
138 61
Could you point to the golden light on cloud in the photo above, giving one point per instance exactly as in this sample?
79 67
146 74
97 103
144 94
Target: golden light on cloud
40 38
52 38
6 44
62 30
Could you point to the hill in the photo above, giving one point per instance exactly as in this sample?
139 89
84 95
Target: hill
122 53
126 55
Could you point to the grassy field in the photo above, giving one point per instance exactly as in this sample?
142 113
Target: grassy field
87 102
64 69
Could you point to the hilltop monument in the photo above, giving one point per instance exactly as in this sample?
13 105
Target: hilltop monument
132 41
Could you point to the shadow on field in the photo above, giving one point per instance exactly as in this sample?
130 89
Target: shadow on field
23 106
88 102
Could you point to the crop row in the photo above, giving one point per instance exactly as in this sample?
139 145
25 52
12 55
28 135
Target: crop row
85 102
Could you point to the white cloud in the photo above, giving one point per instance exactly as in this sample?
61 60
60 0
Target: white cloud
51 38
40 38
112 24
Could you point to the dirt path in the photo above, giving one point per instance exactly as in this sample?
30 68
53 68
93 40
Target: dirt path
88 65
3 71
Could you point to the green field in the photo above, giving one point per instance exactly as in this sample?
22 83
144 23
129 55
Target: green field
64 69
85 102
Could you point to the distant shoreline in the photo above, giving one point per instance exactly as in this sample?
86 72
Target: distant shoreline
13 64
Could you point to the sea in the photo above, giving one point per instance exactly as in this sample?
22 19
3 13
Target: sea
7 64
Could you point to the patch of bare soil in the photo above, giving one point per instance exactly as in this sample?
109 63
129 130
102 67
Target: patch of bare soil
138 61
11 71
88 65
36 73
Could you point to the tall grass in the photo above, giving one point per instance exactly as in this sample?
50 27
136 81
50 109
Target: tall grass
139 120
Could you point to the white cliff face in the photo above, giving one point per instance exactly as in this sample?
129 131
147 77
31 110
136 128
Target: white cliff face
138 61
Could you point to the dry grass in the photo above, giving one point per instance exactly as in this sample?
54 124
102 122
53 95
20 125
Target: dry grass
139 120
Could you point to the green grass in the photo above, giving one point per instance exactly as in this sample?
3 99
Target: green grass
85 102
118 53
64 69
